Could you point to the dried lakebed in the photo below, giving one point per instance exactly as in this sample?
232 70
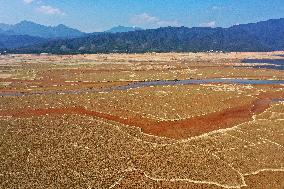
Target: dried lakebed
91 121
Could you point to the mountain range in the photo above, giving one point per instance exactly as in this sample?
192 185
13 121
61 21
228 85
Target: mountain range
28 33
38 30
262 36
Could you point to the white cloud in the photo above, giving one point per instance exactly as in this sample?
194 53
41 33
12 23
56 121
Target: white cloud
28 1
144 18
216 8
211 24
219 8
147 20
162 23
46 9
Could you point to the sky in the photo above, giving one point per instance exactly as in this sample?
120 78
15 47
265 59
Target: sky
100 15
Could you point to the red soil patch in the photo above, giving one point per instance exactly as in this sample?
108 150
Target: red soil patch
173 129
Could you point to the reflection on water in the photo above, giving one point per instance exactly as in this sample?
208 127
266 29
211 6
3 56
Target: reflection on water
281 55
148 84
278 100
199 81
276 64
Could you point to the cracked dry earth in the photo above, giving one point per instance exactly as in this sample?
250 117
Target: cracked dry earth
208 136
73 151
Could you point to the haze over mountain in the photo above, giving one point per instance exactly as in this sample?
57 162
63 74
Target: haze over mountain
121 29
29 33
261 36
38 30
4 27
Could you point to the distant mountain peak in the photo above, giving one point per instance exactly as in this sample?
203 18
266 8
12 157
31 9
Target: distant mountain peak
61 26
26 22
30 28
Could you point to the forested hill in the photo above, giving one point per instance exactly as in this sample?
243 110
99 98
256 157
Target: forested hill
261 36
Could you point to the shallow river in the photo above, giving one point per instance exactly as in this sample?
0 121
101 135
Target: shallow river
275 64
148 84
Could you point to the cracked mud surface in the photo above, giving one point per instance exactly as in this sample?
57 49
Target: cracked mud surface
193 136
82 151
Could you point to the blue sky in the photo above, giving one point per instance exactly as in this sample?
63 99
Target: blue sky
99 15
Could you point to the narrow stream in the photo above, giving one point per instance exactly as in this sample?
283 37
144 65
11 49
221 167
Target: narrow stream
148 84
275 64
